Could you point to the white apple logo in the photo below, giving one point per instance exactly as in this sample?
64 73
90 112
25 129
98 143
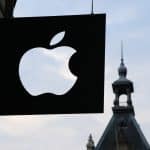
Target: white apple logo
46 70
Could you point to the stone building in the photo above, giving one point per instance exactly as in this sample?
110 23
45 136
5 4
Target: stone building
122 132
6 8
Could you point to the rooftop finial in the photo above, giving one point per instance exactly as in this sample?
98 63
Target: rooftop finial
92 9
122 57
90 145
122 69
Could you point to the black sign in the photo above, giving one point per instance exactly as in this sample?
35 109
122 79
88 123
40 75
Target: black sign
84 35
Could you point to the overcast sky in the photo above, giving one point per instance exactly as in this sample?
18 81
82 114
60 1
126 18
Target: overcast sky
127 21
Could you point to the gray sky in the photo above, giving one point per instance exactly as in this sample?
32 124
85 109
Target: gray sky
127 21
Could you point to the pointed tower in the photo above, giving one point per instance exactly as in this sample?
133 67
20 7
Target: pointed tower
90 145
123 132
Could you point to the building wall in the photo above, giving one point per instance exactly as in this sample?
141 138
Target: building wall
6 8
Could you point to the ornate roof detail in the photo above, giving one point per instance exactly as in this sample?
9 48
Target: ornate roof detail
122 85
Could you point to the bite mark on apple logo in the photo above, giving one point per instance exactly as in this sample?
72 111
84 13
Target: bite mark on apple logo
44 70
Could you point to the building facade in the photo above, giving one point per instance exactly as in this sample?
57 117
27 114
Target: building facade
122 132
6 8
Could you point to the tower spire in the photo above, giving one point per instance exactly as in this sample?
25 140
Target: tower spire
122 56
123 85
122 69
90 145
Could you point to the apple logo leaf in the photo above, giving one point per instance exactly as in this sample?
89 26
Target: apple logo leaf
57 38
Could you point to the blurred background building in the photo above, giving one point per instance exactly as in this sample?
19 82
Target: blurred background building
6 8
122 132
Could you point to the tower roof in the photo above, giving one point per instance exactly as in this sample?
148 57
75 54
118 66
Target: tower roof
123 132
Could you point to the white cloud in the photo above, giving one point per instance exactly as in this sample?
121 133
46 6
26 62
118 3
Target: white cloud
19 125
122 15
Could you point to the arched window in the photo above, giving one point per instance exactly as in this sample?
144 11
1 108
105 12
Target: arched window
123 100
